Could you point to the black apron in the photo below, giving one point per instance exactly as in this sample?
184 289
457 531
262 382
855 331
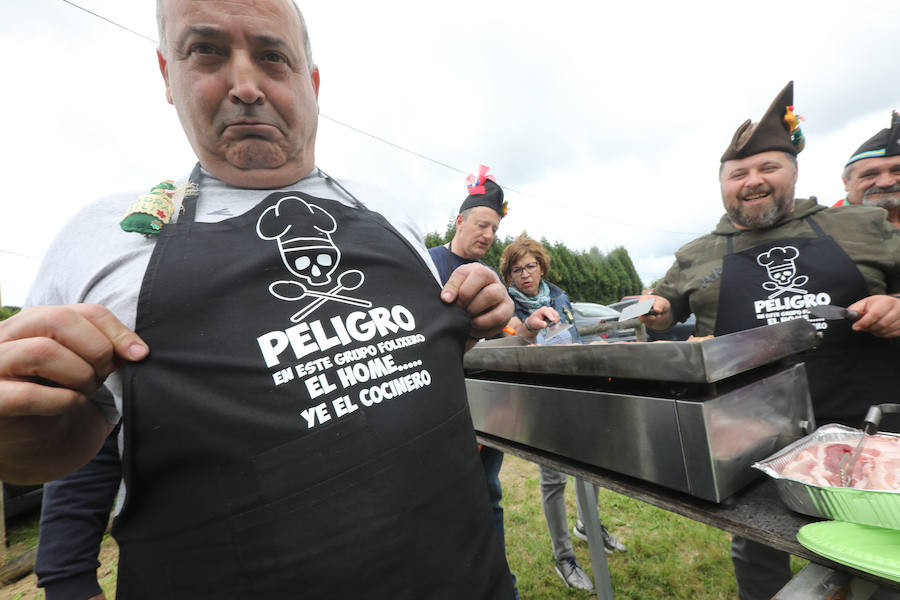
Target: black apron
778 281
300 429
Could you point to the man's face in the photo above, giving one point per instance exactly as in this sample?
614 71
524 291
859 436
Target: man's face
758 190
475 232
875 182
238 77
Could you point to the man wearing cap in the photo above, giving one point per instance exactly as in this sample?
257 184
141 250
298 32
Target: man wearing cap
476 227
770 258
872 175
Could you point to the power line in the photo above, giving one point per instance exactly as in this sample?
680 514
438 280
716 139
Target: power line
504 186
18 254
581 212
119 25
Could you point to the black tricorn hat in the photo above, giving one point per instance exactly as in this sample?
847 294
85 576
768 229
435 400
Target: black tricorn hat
777 130
884 143
484 191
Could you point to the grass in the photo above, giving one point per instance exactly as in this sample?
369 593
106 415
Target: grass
668 556
22 535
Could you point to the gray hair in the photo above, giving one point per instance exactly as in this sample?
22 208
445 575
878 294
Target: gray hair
848 170
161 28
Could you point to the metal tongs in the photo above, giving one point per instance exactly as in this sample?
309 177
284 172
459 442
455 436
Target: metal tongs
870 428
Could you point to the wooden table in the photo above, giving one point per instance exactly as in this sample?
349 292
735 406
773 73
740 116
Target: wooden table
756 512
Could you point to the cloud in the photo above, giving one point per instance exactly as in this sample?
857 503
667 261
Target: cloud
608 118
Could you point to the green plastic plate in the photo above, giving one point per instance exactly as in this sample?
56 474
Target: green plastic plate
875 550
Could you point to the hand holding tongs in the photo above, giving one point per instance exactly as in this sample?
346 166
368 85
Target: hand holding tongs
870 428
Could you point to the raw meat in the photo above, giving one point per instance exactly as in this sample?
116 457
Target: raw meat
877 468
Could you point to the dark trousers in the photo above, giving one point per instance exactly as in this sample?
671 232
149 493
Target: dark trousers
760 570
492 460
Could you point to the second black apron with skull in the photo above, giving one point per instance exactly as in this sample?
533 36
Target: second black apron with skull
849 370
326 456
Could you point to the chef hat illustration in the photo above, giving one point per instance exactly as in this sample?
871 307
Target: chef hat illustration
779 263
303 232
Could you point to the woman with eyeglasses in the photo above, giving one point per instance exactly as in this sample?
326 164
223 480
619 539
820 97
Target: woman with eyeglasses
539 303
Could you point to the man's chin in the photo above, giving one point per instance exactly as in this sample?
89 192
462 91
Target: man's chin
255 153
886 202
756 219
253 173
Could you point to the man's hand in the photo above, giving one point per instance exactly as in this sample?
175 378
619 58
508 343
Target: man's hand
878 315
54 356
51 359
478 290
662 317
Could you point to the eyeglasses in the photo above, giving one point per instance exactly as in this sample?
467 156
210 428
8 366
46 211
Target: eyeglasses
529 268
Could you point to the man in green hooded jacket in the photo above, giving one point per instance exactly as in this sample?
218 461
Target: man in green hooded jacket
771 258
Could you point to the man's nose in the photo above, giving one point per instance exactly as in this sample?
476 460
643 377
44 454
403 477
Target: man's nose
245 80
753 179
886 179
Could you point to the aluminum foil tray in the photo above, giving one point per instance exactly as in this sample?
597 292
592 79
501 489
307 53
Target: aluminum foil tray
867 507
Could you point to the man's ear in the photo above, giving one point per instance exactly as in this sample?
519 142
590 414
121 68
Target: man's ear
459 220
164 70
315 81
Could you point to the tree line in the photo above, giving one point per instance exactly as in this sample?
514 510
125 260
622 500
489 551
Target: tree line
590 276
8 311
586 276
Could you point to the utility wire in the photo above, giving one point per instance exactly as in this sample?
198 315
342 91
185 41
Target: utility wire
581 212
504 186
119 25
18 254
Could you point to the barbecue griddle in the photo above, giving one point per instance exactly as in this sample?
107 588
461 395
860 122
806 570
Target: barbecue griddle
691 416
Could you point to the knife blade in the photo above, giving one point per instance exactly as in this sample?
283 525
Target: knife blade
870 428
554 330
644 307
830 312
848 462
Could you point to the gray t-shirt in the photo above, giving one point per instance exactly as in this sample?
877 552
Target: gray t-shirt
93 260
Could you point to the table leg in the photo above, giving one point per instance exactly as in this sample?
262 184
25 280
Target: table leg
587 497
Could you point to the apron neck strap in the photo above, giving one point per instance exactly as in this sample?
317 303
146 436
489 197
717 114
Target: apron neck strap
815 227
331 180
729 241
189 204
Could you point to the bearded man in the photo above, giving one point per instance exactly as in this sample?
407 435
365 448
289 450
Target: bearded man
769 259
872 175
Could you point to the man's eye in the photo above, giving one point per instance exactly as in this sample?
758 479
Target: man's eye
274 57
205 49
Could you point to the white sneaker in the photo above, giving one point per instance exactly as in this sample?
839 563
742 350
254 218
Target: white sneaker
610 543
572 574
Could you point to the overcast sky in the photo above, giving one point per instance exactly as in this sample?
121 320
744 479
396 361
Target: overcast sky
604 121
